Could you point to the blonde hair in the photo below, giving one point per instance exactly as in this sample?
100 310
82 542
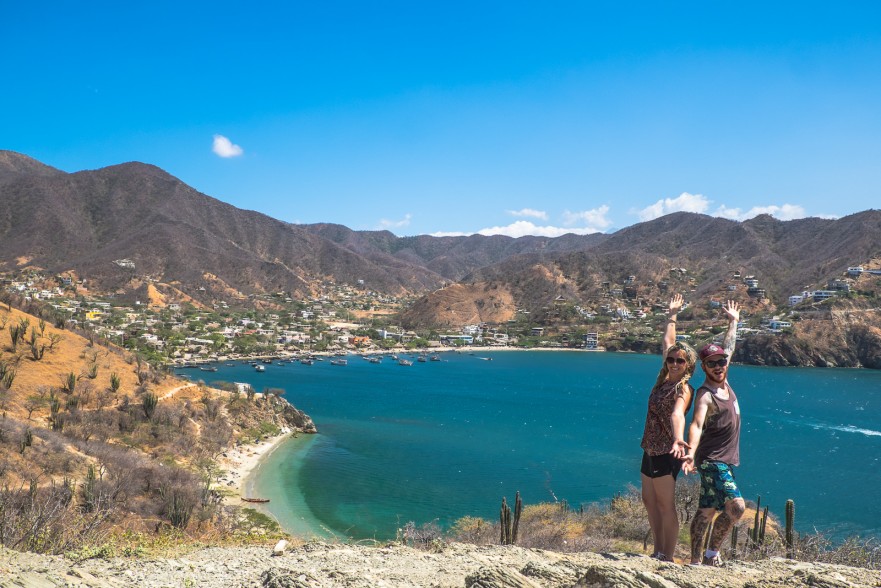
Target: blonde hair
690 364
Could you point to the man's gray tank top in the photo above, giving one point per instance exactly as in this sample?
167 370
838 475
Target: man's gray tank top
720 440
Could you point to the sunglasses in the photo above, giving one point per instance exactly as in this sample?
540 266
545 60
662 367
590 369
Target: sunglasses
718 362
678 360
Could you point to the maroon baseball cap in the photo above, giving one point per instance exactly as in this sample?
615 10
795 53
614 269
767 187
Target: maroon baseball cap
711 349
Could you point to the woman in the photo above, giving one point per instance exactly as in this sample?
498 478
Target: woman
662 440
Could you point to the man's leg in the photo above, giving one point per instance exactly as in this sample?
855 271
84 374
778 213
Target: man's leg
727 490
702 520
733 511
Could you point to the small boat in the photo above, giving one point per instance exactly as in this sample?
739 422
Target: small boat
307 361
230 364
422 359
375 360
339 362
405 362
260 368
208 369
435 358
258 500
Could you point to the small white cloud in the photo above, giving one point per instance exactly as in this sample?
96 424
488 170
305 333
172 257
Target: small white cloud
729 213
685 202
595 217
523 228
530 212
784 212
449 234
223 147
392 224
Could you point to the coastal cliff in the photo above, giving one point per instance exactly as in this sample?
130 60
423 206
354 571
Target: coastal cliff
831 343
457 565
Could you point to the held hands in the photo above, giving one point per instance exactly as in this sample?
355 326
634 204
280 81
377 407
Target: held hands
688 464
732 311
676 303
680 449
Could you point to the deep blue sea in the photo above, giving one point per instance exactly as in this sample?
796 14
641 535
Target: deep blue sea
439 440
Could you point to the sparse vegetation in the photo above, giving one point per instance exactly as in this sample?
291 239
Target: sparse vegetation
79 458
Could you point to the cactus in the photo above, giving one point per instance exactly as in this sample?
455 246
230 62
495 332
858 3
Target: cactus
790 519
37 352
753 532
88 491
8 378
509 524
93 371
505 522
114 382
58 422
15 335
518 509
54 404
734 542
150 402
762 528
68 383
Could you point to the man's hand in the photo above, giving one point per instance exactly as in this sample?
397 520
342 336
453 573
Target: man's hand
688 464
732 310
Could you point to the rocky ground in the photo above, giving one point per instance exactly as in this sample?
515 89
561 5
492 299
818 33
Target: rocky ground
455 565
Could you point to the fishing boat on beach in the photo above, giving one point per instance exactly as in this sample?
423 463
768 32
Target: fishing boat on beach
257 500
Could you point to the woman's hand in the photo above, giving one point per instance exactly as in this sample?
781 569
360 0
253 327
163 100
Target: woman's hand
680 449
676 303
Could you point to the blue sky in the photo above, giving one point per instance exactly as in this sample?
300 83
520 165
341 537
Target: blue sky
456 118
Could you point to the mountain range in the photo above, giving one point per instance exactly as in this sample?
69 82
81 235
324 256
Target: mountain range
200 247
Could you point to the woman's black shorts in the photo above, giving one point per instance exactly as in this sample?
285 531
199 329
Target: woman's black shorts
655 466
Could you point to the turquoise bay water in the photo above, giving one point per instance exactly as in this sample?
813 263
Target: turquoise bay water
440 440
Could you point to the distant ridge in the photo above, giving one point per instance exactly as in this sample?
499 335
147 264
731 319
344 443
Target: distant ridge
15 165
209 250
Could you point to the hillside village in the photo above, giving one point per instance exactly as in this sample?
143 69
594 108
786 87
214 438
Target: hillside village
345 318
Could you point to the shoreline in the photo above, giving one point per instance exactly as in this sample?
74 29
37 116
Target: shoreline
242 462
290 355
246 478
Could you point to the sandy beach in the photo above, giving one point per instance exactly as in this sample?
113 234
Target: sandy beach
242 461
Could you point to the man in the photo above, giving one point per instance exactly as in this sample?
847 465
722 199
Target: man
714 440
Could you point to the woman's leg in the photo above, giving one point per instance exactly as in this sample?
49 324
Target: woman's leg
650 500
668 530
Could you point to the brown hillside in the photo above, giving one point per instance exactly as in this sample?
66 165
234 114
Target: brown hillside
462 304
71 353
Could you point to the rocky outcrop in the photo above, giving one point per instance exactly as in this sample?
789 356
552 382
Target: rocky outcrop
456 565
297 419
849 345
